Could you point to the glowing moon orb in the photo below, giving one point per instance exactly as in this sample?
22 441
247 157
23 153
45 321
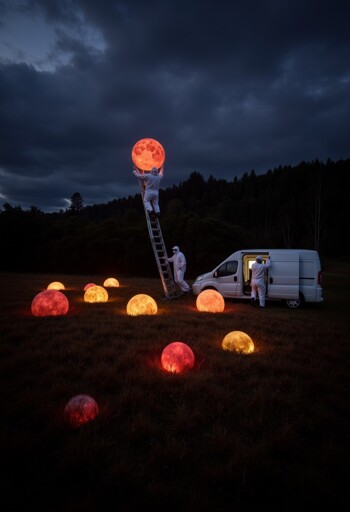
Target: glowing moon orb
50 303
210 301
141 304
96 294
111 282
238 341
88 286
80 409
148 153
56 285
177 357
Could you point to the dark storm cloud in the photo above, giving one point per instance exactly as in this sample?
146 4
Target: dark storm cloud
225 87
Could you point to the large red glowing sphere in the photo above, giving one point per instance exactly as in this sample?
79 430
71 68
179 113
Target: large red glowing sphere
177 357
96 294
56 285
148 153
141 304
238 341
210 301
50 303
80 409
111 282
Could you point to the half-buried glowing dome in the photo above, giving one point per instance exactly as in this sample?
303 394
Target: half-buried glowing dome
141 304
96 294
111 282
238 341
50 303
148 153
88 285
177 357
56 285
80 409
210 301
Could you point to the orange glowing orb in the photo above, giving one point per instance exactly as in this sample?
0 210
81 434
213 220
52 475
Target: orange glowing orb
50 303
56 285
88 286
111 282
96 293
210 301
238 341
148 153
177 357
141 304
80 409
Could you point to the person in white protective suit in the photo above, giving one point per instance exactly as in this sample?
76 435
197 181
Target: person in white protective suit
152 183
179 261
257 282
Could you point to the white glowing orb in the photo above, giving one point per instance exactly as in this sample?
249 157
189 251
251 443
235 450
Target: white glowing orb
111 282
238 341
56 285
80 409
141 304
210 301
49 303
177 357
96 294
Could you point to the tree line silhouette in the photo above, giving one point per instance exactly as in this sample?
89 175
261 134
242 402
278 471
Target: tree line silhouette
303 206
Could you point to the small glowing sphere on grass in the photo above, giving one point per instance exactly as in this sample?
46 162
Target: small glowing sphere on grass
56 285
96 294
177 357
111 282
141 304
50 303
210 301
88 286
148 153
80 409
238 341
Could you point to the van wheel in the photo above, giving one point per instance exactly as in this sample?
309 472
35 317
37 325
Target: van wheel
293 303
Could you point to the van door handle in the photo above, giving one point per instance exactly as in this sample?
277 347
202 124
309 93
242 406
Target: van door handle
271 280
235 279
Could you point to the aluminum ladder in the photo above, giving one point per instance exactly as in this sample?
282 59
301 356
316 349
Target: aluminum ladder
155 234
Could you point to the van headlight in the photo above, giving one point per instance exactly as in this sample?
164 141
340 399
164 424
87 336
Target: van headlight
199 278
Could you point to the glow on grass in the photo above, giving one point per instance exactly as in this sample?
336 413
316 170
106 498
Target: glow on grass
56 285
111 282
80 409
210 301
177 357
96 294
238 341
50 303
141 304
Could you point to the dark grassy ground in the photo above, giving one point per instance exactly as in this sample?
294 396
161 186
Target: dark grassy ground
263 431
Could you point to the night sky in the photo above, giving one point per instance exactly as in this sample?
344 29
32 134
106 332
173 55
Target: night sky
225 87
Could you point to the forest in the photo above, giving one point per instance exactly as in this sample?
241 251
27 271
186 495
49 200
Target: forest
302 206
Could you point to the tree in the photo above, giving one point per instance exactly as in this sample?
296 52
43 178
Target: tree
76 202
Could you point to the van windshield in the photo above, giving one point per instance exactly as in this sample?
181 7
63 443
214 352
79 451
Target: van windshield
227 269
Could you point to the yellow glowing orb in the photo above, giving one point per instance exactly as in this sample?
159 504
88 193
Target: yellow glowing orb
148 153
238 341
210 301
80 409
177 357
141 304
49 303
56 285
111 282
88 286
96 294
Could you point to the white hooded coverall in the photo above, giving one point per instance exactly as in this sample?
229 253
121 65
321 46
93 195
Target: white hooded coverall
152 184
179 262
258 281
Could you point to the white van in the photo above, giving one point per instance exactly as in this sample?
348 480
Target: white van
294 276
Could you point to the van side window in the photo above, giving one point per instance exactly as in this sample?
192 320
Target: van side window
227 269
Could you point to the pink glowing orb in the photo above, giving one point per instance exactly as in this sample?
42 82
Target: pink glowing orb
210 301
148 153
141 304
80 409
96 294
111 282
177 357
56 285
50 303
238 341
88 286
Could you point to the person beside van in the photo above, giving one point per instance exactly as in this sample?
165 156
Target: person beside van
257 282
179 261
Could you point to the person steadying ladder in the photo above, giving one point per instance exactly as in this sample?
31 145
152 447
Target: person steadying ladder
179 261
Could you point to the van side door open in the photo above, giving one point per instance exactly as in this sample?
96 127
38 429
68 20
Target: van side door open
283 275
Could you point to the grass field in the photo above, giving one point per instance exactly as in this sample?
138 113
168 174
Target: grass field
265 431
